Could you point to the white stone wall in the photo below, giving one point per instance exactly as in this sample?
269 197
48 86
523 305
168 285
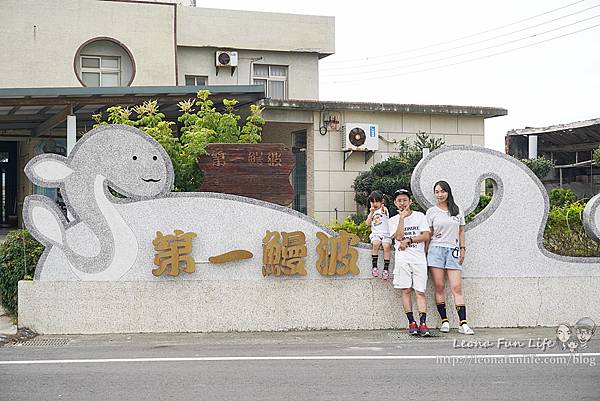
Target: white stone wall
333 183
40 39
282 304
236 297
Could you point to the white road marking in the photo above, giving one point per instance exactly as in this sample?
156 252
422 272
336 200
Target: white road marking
296 358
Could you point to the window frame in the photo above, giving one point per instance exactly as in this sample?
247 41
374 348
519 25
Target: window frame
271 77
100 70
205 77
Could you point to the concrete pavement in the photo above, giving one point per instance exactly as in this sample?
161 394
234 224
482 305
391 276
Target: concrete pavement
494 364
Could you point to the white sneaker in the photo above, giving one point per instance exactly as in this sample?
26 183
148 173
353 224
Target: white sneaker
445 327
465 329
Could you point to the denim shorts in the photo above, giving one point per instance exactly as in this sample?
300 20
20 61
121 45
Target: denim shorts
442 257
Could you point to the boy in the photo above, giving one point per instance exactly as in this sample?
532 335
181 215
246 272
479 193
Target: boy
411 231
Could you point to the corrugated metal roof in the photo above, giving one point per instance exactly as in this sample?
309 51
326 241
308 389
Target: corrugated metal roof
568 127
40 109
17 93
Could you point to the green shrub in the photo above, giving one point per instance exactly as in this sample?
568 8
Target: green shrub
19 255
394 173
363 230
564 233
596 155
200 124
357 218
561 196
540 166
387 177
484 200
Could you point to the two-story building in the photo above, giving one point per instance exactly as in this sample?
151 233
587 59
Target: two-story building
64 60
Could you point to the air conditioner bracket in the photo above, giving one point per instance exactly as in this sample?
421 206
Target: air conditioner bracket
348 152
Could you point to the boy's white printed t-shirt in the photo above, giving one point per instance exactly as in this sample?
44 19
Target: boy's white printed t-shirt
379 223
445 227
414 225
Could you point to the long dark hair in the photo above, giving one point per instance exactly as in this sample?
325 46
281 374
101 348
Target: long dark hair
452 206
376 196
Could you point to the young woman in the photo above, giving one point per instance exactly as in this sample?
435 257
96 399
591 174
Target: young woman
446 254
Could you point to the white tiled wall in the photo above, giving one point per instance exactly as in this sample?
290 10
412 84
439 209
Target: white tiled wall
333 184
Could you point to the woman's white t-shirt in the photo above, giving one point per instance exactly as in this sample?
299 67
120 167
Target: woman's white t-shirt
445 227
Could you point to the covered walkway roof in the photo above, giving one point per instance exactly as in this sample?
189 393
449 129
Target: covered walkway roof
34 111
577 136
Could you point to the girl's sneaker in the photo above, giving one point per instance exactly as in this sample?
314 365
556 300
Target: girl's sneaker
424 331
412 329
445 327
465 329
375 272
385 275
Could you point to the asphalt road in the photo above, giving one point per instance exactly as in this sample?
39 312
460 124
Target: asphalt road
374 365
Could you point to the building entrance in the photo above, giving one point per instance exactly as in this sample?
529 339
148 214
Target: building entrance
8 184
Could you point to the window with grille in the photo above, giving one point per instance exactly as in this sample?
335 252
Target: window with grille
299 173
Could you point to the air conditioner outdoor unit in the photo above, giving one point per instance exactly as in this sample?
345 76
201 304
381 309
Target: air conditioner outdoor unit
226 58
360 137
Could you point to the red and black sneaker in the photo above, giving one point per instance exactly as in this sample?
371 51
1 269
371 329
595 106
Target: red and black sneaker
412 329
424 331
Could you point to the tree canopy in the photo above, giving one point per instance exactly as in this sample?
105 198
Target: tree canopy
200 124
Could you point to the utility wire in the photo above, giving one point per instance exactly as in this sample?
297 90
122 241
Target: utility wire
367 78
457 39
351 67
370 71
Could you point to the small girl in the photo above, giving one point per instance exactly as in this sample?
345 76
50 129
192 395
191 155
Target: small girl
380 234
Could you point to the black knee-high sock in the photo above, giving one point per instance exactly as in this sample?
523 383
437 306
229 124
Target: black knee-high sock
442 311
462 313
386 264
410 317
374 260
422 317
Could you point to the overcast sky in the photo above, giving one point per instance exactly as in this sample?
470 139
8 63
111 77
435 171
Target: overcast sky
399 51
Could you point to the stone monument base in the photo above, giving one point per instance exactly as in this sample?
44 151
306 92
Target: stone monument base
278 304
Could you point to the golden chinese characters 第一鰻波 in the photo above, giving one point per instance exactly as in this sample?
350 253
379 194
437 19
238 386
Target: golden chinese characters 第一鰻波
284 253
336 256
173 250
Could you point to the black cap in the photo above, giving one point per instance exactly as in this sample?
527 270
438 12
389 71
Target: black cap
402 192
